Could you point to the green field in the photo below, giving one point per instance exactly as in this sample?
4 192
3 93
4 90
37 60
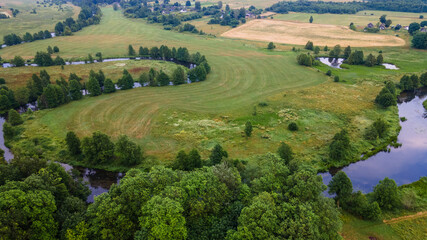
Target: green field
359 19
164 120
45 19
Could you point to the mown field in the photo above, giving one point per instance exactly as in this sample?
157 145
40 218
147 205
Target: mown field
360 19
299 33
45 19
166 119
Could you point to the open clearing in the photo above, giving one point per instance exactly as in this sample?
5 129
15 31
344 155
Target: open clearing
360 19
299 33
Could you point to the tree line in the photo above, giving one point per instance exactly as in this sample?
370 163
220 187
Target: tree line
89 15
348 7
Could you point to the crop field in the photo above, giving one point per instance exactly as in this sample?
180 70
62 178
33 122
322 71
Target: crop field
248 3
44 19
244 74
360 19
299 33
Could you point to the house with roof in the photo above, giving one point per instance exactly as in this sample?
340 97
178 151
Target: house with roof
423 29
370 25
382 26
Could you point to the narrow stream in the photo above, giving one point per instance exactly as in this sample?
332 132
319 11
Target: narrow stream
405 164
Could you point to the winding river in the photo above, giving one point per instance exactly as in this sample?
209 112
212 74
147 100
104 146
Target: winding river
405 164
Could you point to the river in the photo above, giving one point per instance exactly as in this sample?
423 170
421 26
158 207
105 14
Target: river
405 164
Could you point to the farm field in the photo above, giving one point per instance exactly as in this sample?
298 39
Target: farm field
299 33
45 19
164 120
248 3
359 19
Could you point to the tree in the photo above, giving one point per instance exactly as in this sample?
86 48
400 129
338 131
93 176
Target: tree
341 186
370 60
217 154
197 6
50 50
99 56
380 59
340 146
383 18
293 126
356 58
22 95
90 59
194 159
336 51
14 118
420 40
271 46
131 51
336 79
178 76
385 193
347 52
109 86
316 50
309 45
385 98
43 59
188 4
413 28
423 79
126 82
128 152
59 61
162 218
73 143
381 127
98 148
248 129
285 152
93 87
55 49
18 61
388 23
311 19
326 49
163 79
75 90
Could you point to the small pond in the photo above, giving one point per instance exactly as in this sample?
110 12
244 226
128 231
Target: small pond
332 62
405 164
390 66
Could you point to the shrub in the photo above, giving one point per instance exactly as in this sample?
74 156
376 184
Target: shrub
336 79
329 73
293 126
14 118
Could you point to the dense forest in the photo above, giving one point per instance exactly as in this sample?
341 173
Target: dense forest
349 7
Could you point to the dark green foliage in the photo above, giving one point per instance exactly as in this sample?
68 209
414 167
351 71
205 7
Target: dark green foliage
55 49
341 186
381 127
340 146
359 205
380 59
423 79
305 59
49 49
58 61
386 99
126 82
347 52
385 193
109 86
98 148
75 90
271 46
128 152
188 162
316 50
73 143
336 79
370 60
420 40
329 73
413 28
43 59
53 96
18 61
309 45
131 51
93 87
356 58
409 83
2 81
163 79
217 154
143 78
335 52
14 118
178 76
285 153
200 73
311 19
248 129
293 126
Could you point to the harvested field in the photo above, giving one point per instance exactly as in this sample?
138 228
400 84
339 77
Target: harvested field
299 33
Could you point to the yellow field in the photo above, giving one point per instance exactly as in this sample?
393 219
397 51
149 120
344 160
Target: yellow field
299 33
248 3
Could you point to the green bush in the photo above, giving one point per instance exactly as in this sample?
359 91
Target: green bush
293 126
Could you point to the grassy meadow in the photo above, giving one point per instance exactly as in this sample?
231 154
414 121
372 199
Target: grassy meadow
359 19
166 119
45 19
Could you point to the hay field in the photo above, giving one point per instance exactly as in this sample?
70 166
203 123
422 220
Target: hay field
299 33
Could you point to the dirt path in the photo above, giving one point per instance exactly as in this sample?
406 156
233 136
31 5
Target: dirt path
405 218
